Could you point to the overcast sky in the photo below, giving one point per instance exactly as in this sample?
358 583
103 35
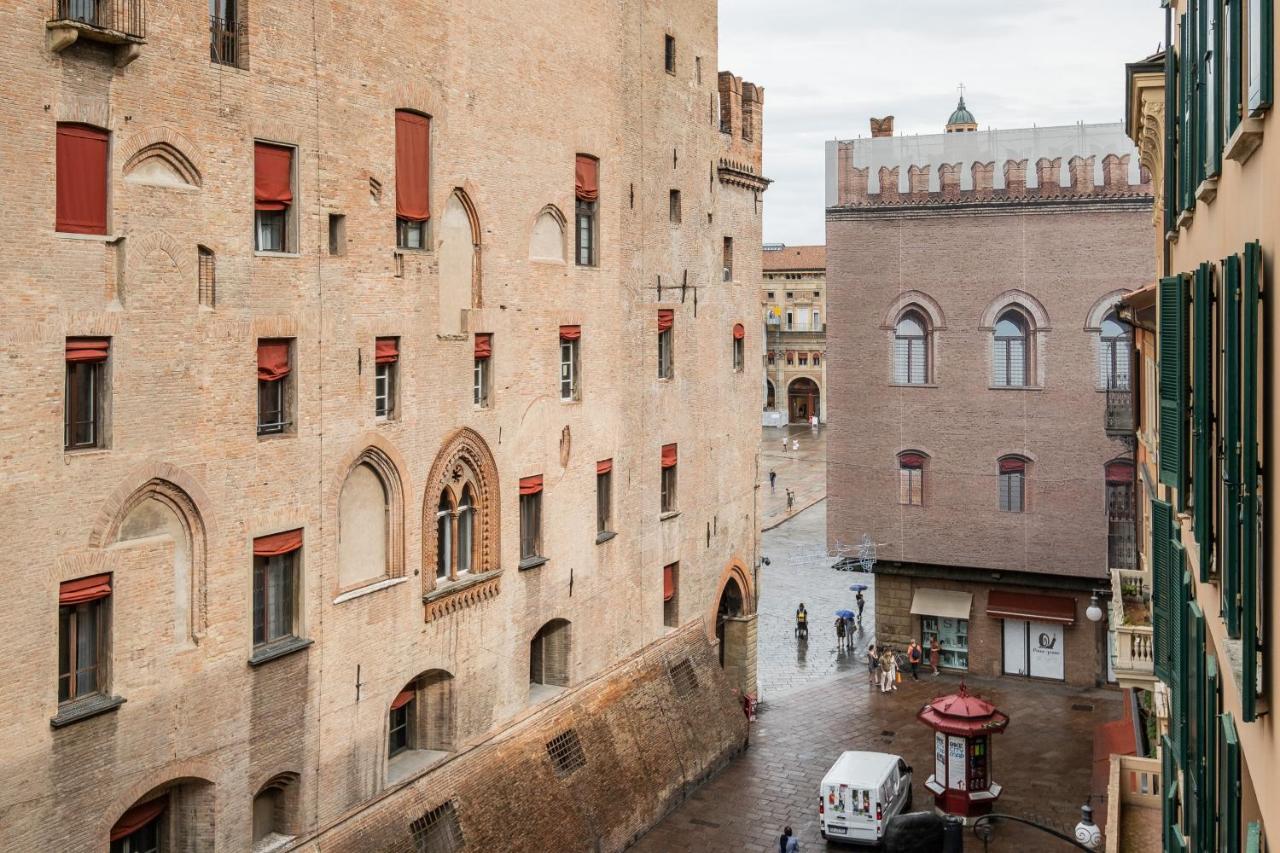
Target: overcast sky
827 66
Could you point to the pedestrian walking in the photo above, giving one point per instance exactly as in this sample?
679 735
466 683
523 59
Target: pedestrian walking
935 652
795 444
862 602
773 479
848 632
914 656
888 671
802 622
788 843
839 631
873 665
784 445
791 500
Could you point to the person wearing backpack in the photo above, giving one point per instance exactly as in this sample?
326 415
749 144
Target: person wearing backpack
788 843
914 657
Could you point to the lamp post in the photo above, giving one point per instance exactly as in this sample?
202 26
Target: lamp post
1087 834
1094 611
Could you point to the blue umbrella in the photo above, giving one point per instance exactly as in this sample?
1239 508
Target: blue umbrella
858 587
845 614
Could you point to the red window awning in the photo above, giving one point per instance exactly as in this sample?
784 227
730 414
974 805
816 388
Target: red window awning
404 697
81 590
88 349
81 179
604 466
273 360
413 166
138 817
910 460
739 332
666 319
668 456
531 485
570 333
1003 604
668 582
484 344
272 177
277 543
586 177
1120 472
1012 466
387 350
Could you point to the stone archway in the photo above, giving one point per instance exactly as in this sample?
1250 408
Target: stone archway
804 400
735 627
770 395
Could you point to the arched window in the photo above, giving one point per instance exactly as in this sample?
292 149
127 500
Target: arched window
1010 359
462 494
911 350
911 478
275 812
1113 354
466 519
444 536
420 724
1012 475
549 656
363 512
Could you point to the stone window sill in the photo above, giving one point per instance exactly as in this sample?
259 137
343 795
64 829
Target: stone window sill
669 515
368 588
273 842
1015 387
449 587
83 709
1246 140
1208 190
89 238
531 563
604 536
278 649
913 384
260 254
1185 217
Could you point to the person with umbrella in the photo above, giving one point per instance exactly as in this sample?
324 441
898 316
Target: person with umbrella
862 602
842 617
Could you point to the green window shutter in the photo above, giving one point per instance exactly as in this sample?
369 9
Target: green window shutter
1252 596
1172 199
1253 842
1261 54
1209 714
1186 151
1202 416
1210 90
1161 525
1169 795
1229 429
1232 54
1173 382
1194 814
1229 786
1179 642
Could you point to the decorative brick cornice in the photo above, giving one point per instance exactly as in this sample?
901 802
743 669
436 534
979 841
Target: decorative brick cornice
454 597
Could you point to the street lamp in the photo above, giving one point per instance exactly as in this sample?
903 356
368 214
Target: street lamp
1087 835
1087 832
1093 613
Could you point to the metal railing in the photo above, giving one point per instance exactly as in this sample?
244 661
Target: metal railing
1119 412
226 40
1122 544
121 16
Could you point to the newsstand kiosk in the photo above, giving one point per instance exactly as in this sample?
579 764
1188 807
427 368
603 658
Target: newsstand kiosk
963 727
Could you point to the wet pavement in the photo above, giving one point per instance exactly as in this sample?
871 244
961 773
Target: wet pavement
803 470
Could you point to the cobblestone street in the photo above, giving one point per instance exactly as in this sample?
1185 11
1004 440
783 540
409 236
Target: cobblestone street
815 703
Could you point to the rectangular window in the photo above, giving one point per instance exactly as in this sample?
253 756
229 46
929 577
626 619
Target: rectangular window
337 234
273 197
83 616
81 179
1261 54
804 359
604 496
1012 491
670 598
480 376
952 636
911 480
570 337
400 723
84 394
275 384
670 53
697 69
669 459
673 206
1212 98
739 348
817 320
587 201
387 354
728 259
585 231
666 343
413 174
226 33
530 522
275 579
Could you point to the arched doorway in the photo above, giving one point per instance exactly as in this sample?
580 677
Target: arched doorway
769 395
731 605
803 400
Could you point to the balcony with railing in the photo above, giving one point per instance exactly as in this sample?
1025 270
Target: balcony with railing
1134 812
1131 623
1119 411
226 41
115 22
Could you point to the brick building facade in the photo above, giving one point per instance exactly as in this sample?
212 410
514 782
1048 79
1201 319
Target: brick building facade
973 279
351 321
794 296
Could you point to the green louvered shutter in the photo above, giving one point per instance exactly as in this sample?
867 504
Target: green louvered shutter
1252 596
1161 525
1261 54
1173 382
1229 786
1232 53
1253 842
1172 202
1178 643
1186 151
1168 794
1209 713
1202 416
1229 428
1194 815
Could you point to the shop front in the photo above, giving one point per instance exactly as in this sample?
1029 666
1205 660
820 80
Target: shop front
944 616
1034 632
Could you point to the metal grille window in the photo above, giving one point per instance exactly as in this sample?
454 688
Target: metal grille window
1113 355
274 581
437 831
1009 355
226 32
569 370
1012 477
81 415
206 279
565 751
684 678
586 233
665 354
530 525
82 638
910 351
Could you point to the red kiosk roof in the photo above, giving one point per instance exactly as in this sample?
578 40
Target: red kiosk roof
962 714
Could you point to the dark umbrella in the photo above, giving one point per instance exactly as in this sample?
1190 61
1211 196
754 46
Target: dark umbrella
858 587
845 614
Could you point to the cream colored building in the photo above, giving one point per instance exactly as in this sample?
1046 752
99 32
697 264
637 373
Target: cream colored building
357 372
794 297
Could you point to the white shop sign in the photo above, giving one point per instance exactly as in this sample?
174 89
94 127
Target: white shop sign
955 763
1047 651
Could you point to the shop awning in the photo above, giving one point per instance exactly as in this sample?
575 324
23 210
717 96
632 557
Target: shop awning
945 603
1025 605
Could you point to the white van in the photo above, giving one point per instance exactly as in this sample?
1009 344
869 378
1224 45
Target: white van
860 793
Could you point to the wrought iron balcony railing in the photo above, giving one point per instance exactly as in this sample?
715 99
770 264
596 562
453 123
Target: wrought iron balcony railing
1119 411
226 40
114 20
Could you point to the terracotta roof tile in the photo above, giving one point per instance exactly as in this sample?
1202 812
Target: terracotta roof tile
796 258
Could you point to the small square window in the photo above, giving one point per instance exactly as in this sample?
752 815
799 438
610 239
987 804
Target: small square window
565 752
438 831
770 294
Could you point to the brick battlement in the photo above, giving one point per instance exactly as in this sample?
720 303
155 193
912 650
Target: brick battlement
741 120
